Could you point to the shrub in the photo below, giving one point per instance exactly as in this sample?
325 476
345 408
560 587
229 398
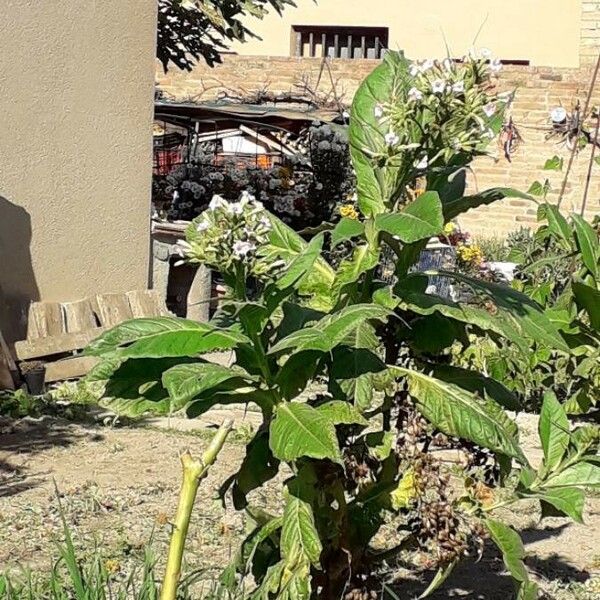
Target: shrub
364 452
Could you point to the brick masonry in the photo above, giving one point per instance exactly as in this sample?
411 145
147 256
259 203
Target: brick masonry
538 90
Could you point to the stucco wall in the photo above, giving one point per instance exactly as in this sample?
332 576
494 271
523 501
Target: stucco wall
76 98
545 32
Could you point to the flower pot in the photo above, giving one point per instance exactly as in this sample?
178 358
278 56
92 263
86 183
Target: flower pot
35 380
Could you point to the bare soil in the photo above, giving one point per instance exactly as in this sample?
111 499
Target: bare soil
118 487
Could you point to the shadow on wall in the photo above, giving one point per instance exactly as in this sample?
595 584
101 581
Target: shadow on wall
18 286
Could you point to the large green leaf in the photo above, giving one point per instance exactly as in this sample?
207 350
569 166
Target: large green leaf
562 501
297 372
331 330
364 258
379 177
554 431
420 220
301 430
457 412
185 382
345 230
133 387
588 299
581 474
411 293
475 382
301 264
526 315
158 337
557 224
285 581
587 241
513 552
286 244
342 413
299 535
258 467
455 207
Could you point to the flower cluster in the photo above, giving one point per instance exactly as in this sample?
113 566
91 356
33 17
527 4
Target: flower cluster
348 211
446 108
469 255
230 237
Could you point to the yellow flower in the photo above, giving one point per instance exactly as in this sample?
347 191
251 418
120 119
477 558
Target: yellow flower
348 211
112 565
449 228
470 254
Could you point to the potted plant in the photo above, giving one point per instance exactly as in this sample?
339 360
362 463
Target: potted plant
34 373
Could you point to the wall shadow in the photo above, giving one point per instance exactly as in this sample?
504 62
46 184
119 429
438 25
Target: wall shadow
18 286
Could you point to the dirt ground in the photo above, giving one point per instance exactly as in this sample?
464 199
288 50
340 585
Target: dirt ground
118 487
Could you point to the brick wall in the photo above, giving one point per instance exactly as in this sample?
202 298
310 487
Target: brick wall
590 31
538 91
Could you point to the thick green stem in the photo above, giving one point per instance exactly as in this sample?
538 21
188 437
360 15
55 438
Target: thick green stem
194 471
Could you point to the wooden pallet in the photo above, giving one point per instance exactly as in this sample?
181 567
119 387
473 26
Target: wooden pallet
58 328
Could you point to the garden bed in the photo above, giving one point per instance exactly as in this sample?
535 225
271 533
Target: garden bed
119 488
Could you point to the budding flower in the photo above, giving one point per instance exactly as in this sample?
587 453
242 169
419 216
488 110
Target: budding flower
414 94
391 138
202 226
378 111
242 249
438 86
458 87
217 202
496 65
489 109
422 164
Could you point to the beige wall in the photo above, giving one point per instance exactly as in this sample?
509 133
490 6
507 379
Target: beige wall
545 32
76 99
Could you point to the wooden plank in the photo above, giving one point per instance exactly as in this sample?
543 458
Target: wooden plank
146 303
79 316
67 342
112 309
70 368
7 366
45 319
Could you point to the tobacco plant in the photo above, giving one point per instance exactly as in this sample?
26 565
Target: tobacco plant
358 399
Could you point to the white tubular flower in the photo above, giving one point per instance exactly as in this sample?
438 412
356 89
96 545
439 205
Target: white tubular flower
489 109
378 111
266 223
422 164
438 86
458 87
485 53
246 198
391 138
427 65
415 95
496 65
217 202
414 69
235 208
182 248
242 249
447 64
490 134
202 226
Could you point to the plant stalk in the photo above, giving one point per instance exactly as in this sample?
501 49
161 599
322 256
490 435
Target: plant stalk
194 470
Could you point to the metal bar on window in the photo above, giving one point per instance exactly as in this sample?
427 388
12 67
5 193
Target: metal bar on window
311 44
323 44
363 46
298 48
377 47
350 51
336 46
